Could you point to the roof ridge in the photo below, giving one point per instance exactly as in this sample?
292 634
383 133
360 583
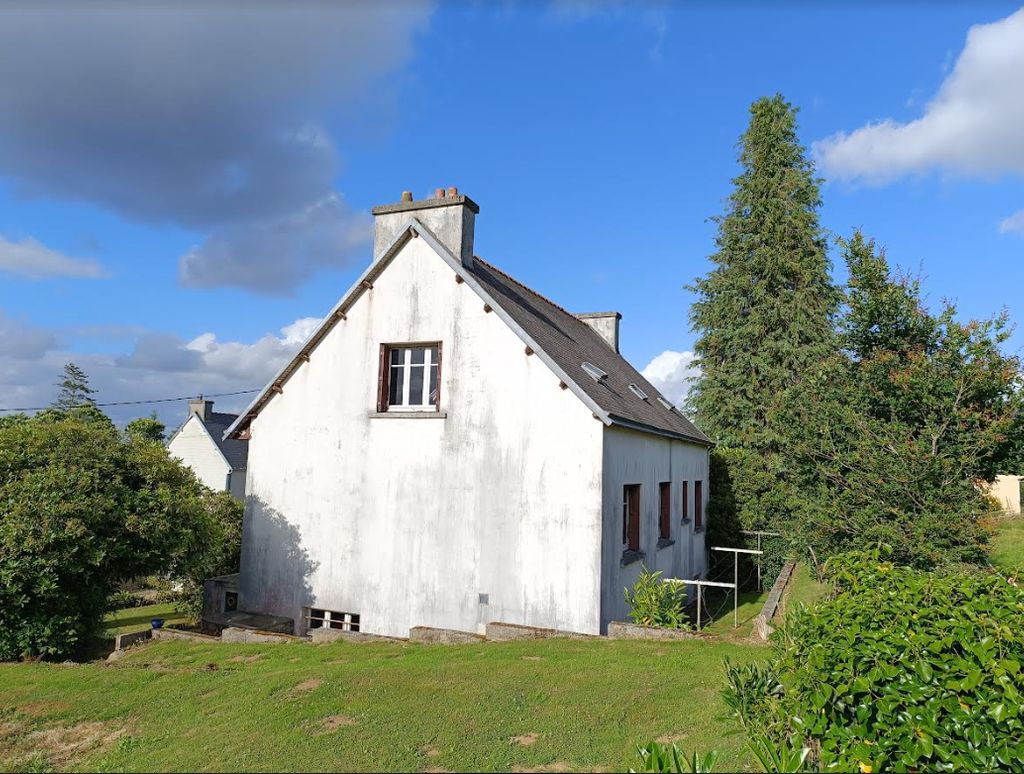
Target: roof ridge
527 288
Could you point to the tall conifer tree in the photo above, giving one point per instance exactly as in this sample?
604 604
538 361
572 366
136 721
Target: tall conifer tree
764 316
764 312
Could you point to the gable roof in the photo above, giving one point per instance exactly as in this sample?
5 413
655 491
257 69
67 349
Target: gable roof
235 451
570 342
561 340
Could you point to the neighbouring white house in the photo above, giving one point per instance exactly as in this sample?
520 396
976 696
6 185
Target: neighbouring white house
1006 489
450 448
199 442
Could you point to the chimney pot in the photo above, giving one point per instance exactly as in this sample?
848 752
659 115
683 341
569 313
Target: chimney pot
438 193
406 196
453 191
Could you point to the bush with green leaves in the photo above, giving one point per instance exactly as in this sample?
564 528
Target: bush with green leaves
652 602
83 508
669 759
902 670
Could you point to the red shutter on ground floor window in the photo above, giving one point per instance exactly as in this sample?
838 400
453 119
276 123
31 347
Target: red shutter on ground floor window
634 517
685 498
665 514
698 504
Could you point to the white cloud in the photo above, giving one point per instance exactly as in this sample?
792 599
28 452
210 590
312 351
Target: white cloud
34 260
201 116
673 374
1013 224
160 365
973 126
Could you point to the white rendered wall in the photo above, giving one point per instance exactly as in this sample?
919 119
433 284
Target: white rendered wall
406 521
1006 489
639 458
193 446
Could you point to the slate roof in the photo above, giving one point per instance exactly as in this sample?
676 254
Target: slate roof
570 342
235 452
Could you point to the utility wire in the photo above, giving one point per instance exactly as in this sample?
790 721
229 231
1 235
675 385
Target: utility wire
142 402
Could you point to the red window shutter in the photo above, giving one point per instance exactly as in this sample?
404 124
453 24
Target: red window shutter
698 504
664 515
686 500
382 380
634 518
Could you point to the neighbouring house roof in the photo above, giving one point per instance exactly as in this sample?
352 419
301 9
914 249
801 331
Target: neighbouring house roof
235 451
560 339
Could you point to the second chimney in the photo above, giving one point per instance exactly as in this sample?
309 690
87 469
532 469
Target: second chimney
449 216
606 324
201 408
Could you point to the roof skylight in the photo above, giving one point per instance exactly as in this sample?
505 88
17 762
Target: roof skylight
595 373
635 389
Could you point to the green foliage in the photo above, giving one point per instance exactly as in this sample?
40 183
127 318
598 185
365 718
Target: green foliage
147 428
658 757
82 509
74 389
902 669
215 546
654 603
763 316
888 438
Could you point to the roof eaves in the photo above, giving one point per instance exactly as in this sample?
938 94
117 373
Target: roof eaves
644 428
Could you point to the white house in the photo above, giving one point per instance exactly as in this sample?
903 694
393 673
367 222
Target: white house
199 442
451 448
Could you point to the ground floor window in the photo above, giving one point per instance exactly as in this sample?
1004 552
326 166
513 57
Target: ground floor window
665 514
331 619
631 517
698 504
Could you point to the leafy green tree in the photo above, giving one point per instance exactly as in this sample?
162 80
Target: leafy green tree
84 507
147 428
889 438
764 315
74 389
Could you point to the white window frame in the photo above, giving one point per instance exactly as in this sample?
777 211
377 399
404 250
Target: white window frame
430 351
349 621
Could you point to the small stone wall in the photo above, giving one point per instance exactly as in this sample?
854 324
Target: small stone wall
180 634
123 641
762 623
232 634
497 631
430 634
621 630
322 636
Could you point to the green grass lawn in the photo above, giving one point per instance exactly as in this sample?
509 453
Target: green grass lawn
549 705
134 619
719 603
1007 550
803 588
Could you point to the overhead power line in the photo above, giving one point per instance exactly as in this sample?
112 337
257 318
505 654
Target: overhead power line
143 402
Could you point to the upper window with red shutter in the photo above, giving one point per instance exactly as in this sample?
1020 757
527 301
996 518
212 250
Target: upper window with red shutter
410 377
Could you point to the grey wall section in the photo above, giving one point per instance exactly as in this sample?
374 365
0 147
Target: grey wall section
640 458
408 521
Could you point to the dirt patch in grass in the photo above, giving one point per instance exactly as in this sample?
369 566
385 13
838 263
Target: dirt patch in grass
670 738
533 658
526 739
334 722
430 751
57 747
553 766
39 708
307 685
245 659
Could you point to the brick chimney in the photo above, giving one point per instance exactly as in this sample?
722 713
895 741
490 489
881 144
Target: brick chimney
448 215
606 324
201 408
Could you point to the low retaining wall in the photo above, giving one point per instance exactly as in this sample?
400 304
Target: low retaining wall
123 641
505 632
762 622
180 634
430 634
321 636
621 630
232 634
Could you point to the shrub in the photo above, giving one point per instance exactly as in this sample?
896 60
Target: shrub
83 508
655 603
902 669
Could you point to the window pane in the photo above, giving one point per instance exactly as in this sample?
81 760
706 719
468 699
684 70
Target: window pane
416 383
395 388
433 354
433 385
397 356
417 356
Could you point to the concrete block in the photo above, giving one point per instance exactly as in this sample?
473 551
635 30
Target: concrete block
499 631
232 634
180 634
321 636
123 641
622 630
429 634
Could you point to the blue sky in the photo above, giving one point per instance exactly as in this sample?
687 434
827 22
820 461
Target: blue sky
181 191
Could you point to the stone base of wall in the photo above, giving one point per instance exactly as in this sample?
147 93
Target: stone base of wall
504 632
430 634
123 641
180 634
762 622
232 634
321 636
621 630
